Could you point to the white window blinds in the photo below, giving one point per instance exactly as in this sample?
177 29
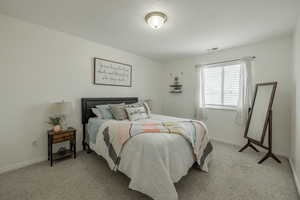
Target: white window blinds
222 84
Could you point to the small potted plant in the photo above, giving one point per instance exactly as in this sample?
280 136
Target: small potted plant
56 123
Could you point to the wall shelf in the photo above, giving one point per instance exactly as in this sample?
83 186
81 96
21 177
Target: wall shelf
176 87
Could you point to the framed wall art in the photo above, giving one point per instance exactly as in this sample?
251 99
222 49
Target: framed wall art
107 72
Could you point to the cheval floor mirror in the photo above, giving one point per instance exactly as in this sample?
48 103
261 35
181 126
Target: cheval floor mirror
259 124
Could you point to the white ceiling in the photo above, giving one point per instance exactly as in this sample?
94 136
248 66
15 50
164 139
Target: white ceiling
192 27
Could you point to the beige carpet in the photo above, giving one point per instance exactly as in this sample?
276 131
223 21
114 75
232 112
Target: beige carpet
232 176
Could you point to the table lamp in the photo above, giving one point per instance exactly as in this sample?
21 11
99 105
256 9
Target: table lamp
65 110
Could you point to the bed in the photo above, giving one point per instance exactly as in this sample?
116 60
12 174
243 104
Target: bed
153 162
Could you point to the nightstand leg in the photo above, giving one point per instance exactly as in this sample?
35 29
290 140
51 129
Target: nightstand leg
74 147
71 145
51 153
48 147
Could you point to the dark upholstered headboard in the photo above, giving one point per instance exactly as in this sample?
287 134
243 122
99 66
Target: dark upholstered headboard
88 103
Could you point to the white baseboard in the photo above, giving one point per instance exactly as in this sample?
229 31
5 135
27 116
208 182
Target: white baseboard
295 175
225 142
21 164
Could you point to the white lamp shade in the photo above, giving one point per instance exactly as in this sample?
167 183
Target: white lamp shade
65 109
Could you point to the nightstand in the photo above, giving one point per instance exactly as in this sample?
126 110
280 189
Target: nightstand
58 137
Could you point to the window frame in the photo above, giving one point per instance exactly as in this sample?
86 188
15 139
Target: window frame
222 106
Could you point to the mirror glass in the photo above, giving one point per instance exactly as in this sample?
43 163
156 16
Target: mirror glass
259 112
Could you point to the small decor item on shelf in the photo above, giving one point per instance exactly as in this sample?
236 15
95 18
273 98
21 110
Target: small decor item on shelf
56 123
62 151
176 87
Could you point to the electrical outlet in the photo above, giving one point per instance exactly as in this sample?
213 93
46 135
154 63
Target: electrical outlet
34 143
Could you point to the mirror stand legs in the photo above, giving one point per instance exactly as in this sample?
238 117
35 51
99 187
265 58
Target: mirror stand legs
248 145
269 155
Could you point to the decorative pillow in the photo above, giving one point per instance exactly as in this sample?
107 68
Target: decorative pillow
97 112
118 111
136 113
148 110
105 111
140 104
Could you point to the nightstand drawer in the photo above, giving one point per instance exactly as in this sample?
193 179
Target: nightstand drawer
56 136
62 137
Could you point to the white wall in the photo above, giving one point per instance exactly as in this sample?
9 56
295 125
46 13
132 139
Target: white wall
39 66
273 62
295 122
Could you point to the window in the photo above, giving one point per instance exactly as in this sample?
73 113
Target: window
222 85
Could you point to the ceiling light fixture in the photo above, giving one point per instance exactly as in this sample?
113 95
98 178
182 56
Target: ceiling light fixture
156 19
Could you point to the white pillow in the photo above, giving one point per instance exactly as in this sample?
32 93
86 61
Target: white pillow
97 112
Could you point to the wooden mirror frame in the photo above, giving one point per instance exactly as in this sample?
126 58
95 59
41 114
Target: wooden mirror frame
263 135
267 123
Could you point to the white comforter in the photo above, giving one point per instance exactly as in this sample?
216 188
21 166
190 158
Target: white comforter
153 162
